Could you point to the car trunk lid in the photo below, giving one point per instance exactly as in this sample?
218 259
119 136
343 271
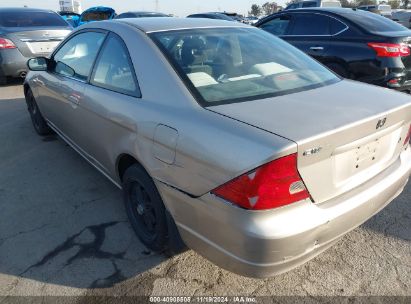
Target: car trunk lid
344 137
37 42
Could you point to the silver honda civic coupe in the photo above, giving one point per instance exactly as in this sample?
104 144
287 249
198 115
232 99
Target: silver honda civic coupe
223 137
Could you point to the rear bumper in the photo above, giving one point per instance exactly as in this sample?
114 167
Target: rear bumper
401 83
12 63
266 243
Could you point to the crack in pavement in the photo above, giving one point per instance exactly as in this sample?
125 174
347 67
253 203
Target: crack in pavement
87 250
2 240
84 203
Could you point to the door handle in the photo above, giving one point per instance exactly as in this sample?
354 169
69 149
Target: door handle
316 48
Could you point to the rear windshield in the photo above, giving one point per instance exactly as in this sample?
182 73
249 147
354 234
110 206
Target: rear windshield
230 65
29 19
95 16
373 22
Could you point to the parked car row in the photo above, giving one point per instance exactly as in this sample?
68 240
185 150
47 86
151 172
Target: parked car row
100 13
227 139
353 43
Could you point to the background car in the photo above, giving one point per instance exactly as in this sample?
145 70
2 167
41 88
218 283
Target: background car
402 17
313 3
71 18
235 16
382 9
224 136
355 44
211 16
251 20
98 13
27 33
140 15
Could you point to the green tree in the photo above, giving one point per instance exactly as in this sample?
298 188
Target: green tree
394 4
347 3
269 8
365 2
255 10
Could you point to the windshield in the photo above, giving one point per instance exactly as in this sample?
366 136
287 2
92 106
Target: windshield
30 18
373 22
238 64
95 16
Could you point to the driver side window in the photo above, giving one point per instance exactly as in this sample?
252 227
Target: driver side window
76 57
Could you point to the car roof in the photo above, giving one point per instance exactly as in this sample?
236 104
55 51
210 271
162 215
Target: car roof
207 13
335 10
25 9
142 12
170 23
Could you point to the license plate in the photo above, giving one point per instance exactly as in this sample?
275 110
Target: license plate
42 47
366 155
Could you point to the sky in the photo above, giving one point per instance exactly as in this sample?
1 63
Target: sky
180 8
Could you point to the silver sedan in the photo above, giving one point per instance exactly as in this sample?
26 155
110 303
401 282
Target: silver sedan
224 138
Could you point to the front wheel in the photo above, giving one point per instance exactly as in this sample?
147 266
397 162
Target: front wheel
39 123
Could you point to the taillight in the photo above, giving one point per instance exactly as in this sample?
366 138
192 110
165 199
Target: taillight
408 137
272 185
390 49
6 44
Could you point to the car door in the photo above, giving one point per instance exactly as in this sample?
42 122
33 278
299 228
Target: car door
61 89
310 32
112 89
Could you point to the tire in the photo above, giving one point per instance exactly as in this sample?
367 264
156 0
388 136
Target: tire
3 80
39 123
338 69
145 209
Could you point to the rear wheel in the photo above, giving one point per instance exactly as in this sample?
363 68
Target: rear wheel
145 208
37 119
338 69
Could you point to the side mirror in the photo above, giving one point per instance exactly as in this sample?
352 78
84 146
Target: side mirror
37 64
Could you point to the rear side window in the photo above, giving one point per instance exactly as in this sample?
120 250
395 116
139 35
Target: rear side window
30 19
114 70
336 26
277 26
374 23
75 58
310 24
